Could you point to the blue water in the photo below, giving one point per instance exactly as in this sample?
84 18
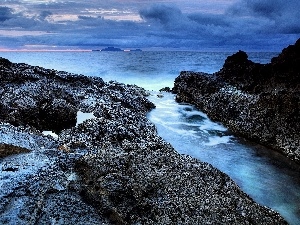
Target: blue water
265 175
151 70
268 177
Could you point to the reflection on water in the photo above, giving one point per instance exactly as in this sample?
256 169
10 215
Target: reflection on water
268 177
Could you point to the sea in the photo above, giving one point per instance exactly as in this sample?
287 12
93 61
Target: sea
265 175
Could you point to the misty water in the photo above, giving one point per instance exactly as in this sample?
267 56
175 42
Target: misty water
268 177
265 175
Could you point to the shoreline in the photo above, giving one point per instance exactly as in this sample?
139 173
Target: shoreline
110 169
257 101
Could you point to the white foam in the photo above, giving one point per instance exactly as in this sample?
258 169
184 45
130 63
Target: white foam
195 113
182 132
216 140
170 126
209 125
183 124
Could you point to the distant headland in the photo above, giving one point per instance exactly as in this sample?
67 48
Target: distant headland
113 49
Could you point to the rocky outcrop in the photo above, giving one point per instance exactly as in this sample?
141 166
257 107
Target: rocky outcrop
111 169
6 150
257 101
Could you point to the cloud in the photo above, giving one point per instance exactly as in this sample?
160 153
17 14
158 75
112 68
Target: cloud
5 14
190 26
210 19
282 15
166 15
44 14
261 24
244 25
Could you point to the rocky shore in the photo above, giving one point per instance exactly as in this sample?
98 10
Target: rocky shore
258 101
110 169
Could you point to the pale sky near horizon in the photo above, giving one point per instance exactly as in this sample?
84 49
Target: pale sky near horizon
221 25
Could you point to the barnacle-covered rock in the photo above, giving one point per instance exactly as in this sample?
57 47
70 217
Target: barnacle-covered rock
257 101
110 169
137 185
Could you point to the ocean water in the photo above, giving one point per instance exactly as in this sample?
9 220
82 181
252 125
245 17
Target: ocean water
151 70
265 175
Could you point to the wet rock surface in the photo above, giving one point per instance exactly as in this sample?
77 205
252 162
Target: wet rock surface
6 150
257 101
110 169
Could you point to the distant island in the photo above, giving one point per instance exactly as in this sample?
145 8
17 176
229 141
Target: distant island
113 49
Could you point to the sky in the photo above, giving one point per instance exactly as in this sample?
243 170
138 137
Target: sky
210 25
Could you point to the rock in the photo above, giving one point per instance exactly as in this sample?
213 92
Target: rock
6 150
5 62
111 169
166 89
160 95
257 101
133 184
287 65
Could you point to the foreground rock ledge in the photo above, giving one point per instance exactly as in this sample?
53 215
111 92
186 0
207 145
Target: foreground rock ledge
260 102
112 169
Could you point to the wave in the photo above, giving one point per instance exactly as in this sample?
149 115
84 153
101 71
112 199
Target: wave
216 140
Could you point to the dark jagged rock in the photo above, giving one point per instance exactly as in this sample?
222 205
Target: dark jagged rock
50 106
257 101
142 183
287 63
166 89
6 150
111 169
5 62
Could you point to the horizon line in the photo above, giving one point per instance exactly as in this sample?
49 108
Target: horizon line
129 50
45 50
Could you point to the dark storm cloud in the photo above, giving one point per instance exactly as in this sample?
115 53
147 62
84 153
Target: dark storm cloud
261 8
190 27
247 23
44 14
243 24
166 15
209 19
5 14
282 15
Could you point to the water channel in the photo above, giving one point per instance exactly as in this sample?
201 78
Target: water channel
268 177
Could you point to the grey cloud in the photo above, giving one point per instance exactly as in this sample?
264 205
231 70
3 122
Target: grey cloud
19 21
209 19
162 13
44 14
282 15
189 26
248 23
265 8
5 14
12 20
170 17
